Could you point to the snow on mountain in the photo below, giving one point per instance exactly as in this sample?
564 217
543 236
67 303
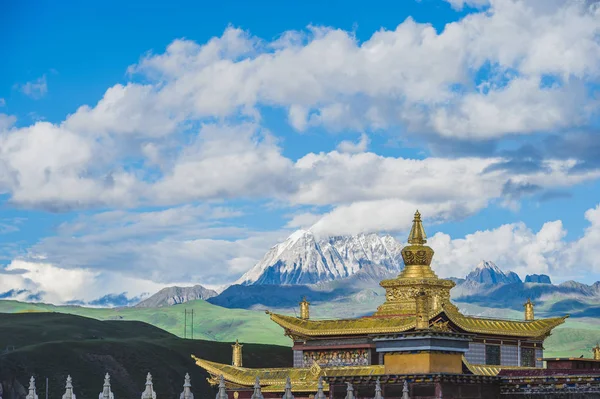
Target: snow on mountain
487 272
302 259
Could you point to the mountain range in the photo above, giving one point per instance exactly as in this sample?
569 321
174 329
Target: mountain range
346 271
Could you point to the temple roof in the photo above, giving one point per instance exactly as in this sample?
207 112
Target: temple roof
517 328
490 370
358 326
273 379
306 379
398 324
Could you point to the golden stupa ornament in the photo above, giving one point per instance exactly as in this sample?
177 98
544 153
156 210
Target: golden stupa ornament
236 358
417 276
529 315
304 309
596 350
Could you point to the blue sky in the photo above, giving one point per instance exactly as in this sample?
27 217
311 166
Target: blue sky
149 144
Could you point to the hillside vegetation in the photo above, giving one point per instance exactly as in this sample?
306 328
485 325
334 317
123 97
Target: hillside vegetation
211 322
226 325
54 345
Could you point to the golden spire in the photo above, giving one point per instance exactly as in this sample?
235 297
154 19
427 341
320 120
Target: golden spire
417 234
304 309
236 358
596 350
416 255
529 316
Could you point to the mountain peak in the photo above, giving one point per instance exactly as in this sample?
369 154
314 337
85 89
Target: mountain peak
487 272
487 264
302 259
174 295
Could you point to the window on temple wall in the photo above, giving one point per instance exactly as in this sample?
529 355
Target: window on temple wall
492 354
528 357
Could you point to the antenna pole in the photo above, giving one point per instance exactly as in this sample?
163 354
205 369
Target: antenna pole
46 387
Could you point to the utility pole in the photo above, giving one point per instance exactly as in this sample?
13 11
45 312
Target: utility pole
46 387
192 326
184 323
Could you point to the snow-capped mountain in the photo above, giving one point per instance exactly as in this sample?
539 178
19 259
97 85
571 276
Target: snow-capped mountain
302 259
487 272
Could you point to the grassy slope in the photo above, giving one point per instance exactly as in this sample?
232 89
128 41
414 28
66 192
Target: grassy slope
221 324
53 345
210 322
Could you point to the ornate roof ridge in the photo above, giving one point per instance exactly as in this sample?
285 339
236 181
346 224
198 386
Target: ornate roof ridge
528 328
395 324
454 312
300 376
490 370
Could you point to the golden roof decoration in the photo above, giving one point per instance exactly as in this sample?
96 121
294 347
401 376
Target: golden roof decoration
417 234
273 379
390 325
517 328
490 370
302 379
359 326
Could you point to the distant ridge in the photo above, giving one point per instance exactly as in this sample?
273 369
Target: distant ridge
538 278
175 295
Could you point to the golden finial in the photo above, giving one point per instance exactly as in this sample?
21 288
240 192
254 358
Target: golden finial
596 350
304 309
417 234
237 354
529 315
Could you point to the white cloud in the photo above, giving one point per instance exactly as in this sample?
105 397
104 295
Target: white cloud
460 4
405 77
303 220
35 89
2 102
375 193
126 110
184 244
54 167
227 162
59 285
6 121
355 147
139 144
521 108
516 247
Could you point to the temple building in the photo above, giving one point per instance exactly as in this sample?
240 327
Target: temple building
417 336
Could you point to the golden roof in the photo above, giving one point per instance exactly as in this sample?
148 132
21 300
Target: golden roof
359 326
398 324
489 370
516 328
304 379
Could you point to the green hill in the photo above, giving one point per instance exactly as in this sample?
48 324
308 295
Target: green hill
54 345
211 322
216 323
